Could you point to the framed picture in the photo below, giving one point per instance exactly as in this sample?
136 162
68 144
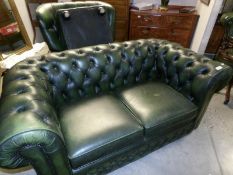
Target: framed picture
207 2
13 35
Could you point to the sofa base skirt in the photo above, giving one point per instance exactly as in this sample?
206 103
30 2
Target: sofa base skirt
131 153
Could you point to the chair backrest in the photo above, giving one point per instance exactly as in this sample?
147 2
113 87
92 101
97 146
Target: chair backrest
225 51
49 22
227 22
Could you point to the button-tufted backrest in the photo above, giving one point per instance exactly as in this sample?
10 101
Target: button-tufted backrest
33 87
98 69
73 74
93 70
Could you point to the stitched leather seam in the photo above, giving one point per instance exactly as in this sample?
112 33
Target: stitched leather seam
138 119
125 148
176 116
109 155
135 116
184 122
115 140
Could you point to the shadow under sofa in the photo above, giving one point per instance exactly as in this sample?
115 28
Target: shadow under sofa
94 109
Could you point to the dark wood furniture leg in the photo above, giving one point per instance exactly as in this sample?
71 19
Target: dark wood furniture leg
228 92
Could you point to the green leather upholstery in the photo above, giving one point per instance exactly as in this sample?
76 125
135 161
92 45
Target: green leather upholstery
157 107
105 125
43 104
29 129
227 44
227 21
48 23
225 51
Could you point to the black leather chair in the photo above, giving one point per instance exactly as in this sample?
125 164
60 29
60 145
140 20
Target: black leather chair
225 52
94 109
72 25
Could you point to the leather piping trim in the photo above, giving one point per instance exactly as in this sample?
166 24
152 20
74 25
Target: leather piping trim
136 117
183 122
110 155
177 116
121 150
37 146
106 144
161 123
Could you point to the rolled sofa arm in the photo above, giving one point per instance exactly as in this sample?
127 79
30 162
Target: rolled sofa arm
29 130
206 84
195 76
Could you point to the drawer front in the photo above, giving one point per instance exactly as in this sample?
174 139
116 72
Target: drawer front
149 32
181 22
173 27
138 19
175 35
180 36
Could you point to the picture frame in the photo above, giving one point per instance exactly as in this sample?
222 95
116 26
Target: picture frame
13 35
207 2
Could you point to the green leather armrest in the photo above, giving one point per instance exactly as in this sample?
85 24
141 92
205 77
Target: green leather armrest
29 130
204 86
195 76
45 14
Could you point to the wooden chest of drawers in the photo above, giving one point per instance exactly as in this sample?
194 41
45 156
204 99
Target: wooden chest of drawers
170 25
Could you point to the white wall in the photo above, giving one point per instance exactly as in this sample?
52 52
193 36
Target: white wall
208 16
22 8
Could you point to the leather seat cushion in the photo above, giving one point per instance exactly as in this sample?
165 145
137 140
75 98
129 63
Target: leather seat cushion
96 127
158 107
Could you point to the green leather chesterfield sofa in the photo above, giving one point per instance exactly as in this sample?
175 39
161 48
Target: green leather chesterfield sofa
93 109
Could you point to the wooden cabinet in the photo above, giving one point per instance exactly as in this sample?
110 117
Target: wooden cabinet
122 18
171 25
216 37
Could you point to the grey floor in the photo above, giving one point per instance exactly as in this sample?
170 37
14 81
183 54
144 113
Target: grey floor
208 150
